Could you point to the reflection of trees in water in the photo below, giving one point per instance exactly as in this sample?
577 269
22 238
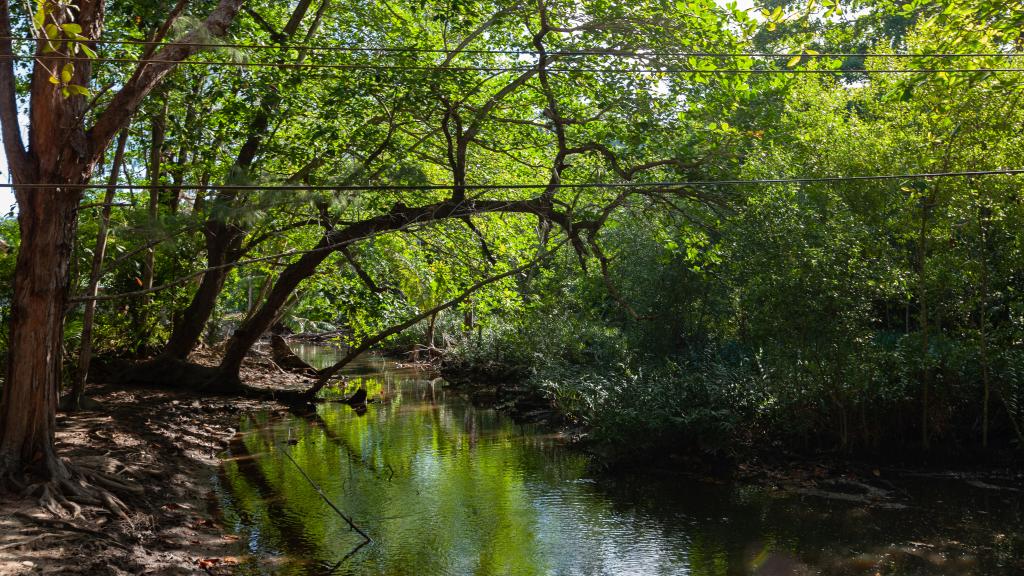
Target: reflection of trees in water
735 530
457 483
257 497
445 487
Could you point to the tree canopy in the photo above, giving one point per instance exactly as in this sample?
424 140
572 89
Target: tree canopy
678 220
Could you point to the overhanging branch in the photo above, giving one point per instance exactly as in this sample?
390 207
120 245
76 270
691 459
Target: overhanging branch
326 374
150 73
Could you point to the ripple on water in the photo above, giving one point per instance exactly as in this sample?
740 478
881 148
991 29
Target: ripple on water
445 488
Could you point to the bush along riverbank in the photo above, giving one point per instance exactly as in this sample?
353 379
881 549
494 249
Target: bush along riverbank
707 422
718 410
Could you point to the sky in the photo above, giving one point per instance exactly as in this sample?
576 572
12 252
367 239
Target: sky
7 203
6 194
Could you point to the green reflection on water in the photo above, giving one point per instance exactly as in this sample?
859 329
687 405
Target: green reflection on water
447 488
442 486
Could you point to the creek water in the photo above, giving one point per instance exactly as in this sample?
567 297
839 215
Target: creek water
446 488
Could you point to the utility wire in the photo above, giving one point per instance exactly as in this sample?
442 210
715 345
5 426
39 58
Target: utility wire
519 69
441 187
510 52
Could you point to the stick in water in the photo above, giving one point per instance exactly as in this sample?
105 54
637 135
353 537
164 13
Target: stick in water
324 496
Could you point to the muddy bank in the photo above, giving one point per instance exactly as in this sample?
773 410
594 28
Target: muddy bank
167 441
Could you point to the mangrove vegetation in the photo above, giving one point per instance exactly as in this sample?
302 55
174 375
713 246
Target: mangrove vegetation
693 235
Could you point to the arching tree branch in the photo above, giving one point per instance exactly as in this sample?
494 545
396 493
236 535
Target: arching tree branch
149 74
326 374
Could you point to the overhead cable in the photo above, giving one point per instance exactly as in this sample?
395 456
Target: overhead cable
526 186
622 53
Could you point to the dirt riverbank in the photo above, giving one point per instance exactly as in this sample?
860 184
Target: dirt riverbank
166 441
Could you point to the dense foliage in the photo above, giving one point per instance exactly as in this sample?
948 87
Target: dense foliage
338 168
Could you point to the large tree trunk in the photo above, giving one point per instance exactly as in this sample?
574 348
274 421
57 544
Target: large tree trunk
47 222
48 180
252 329
222 244
60 158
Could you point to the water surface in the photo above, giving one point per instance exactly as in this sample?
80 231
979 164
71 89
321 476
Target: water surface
446 488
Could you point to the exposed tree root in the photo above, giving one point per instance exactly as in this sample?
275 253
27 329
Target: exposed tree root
111 482
24 543
53 501
67 526
12 483
162 440
72 487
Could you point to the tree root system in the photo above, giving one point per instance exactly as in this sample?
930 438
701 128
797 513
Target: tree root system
135 493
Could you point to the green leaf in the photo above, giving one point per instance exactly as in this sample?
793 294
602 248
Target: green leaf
88 51
39 18
53 80
71 28
794 61
67 72
80 90
51 31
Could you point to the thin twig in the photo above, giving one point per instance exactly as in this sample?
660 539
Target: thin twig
316 487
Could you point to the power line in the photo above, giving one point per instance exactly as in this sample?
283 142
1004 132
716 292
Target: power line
519 69
538 186
559 53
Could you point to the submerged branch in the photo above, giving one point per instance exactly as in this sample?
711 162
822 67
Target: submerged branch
319 491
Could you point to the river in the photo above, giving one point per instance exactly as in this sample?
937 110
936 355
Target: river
446 488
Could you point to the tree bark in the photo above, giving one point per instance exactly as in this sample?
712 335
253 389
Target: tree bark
401 216
57 164
222 241
47 220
